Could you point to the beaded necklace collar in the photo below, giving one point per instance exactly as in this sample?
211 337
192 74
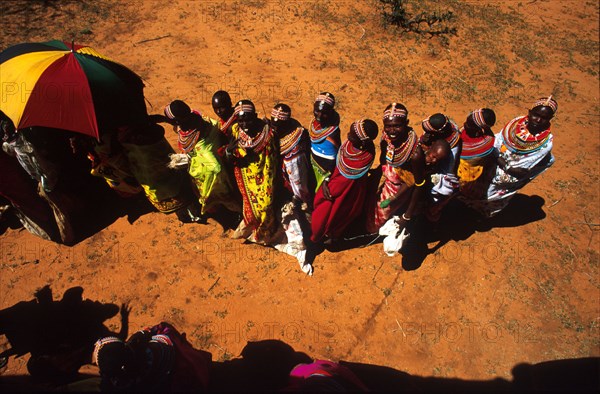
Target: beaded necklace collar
318 134
519 140
352 162
288 143
476 147
397 156
187 139
225 125
258 142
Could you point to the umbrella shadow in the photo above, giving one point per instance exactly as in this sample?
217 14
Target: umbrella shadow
59 335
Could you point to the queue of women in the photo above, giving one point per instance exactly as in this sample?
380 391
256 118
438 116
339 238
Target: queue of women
293 187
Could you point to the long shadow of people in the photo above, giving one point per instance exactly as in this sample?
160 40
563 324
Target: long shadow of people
521 210
274 366
458 223
267 366
59 335
264 366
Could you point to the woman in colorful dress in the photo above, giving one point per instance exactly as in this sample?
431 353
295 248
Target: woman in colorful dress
337 205
253 154
402 163
478 159
199 138
148 152
324 137
444 184
294 182
109 162
227 117
525 146
294 149
223 108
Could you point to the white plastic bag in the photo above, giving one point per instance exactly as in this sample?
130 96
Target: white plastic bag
392 243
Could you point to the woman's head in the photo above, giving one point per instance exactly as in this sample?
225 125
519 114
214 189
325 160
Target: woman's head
323 107
280 116
116 362
541 113
480 122
395 121
246 113
221 103
181 113
361 132
438 125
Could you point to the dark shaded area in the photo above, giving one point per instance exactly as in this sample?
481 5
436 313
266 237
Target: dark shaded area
89 204
457 223
265 366
59 335
8 218
226 218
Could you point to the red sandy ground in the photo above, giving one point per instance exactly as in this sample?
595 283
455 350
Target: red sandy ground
525 289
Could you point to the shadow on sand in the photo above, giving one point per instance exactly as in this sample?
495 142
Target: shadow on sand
58 335
457 223
265 366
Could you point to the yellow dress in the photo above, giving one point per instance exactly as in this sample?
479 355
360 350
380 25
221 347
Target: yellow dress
208 173
110 163
255 179
165 188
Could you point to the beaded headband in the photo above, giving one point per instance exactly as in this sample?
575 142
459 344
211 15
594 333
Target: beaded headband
241 109
325 98
393 112
360 130
546 102
100 343
477 116
169 112
278 114
428 127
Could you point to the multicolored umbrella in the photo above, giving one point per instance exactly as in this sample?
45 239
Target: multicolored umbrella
67 86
